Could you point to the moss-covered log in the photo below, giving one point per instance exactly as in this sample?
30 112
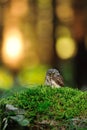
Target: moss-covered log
44 108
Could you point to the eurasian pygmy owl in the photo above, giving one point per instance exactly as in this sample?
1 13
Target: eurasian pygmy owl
53 78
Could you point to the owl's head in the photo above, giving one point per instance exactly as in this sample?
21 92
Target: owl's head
51 72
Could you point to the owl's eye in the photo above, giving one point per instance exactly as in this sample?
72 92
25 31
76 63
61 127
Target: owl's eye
50 73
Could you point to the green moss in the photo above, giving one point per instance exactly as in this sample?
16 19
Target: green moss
44 103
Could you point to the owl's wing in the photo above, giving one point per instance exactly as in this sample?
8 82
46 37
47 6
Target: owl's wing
59 80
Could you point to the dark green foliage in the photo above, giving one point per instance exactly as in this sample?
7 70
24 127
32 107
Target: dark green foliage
44 104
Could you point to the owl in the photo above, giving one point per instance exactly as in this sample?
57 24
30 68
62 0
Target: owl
54 79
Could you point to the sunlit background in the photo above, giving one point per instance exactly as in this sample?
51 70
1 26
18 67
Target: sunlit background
39 34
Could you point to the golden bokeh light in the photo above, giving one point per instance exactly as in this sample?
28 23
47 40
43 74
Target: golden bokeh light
12 50
65 12
66 47
13 47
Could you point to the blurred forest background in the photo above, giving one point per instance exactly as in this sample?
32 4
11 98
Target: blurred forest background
39 34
